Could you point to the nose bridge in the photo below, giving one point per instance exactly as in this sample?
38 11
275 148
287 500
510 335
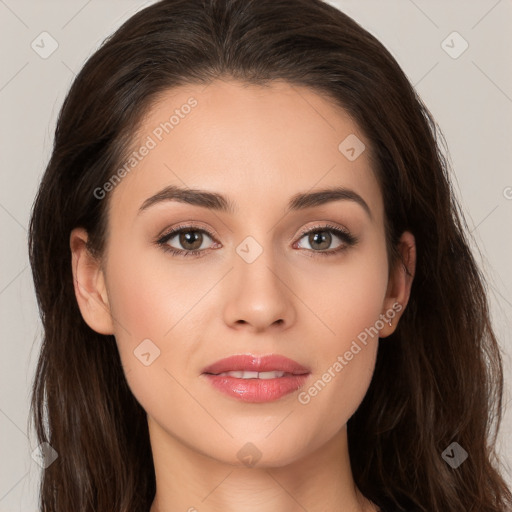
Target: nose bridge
259 295
258 259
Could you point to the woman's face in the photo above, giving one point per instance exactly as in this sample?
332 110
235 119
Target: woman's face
263 283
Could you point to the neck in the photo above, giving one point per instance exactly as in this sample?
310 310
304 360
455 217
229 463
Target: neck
189 481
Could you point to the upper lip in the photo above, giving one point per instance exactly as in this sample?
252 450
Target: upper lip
248 362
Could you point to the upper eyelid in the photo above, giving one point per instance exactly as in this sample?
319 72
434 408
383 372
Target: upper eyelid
174 231
326 225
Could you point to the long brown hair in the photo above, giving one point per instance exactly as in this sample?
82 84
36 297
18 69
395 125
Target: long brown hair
438 378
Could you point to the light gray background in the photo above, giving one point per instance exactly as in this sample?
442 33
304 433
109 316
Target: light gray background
470 97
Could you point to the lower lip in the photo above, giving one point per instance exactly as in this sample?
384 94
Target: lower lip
257 390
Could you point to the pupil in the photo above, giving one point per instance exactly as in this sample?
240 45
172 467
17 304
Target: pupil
323 235
189 238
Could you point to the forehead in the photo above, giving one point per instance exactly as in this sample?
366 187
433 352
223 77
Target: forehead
256 144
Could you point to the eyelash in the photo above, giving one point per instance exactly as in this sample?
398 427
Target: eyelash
348 239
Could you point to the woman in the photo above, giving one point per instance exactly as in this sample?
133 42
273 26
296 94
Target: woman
200 351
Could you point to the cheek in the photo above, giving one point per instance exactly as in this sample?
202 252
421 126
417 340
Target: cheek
145 307
146 296
336 392
348 300
150 308
346 296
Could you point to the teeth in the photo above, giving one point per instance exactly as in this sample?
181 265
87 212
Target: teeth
270 375
253 375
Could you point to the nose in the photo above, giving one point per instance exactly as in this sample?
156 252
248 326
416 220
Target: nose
258 295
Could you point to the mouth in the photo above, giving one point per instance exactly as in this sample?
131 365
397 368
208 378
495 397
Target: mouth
251 367
256 378
254 375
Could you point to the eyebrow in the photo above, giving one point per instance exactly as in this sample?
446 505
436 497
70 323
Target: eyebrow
218 202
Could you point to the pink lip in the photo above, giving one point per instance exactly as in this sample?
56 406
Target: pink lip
257 390
250 363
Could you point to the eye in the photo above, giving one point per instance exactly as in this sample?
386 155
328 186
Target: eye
190 238
320 238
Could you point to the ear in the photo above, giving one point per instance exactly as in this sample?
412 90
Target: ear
399 285
89 283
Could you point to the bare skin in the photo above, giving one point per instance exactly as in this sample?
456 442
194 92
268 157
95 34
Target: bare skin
258 146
